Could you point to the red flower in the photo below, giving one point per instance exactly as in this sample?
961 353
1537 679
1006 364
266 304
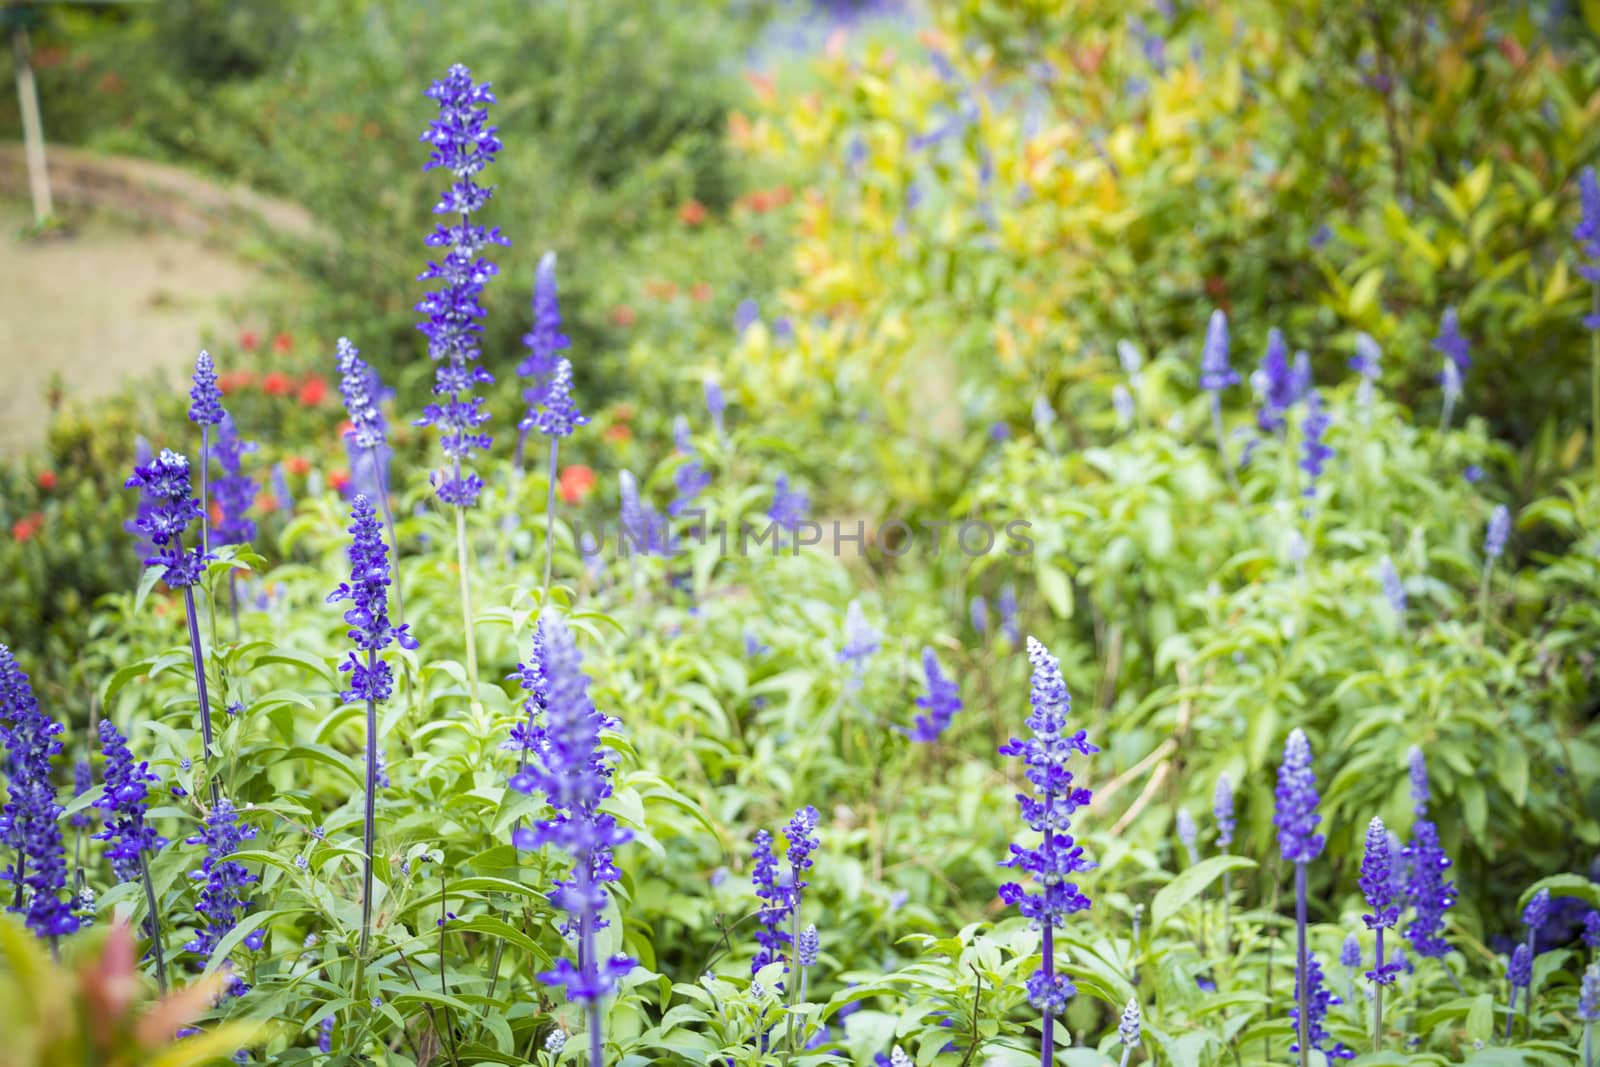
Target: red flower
283 342
339 479
216 513
297 464
277 384
618 434
248 340
692 213
233 381
25 528
47 480
575 483
266 503
313 390
661 290
701 291
623 316
622 412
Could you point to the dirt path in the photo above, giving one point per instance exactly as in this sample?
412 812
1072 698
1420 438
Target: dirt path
110 302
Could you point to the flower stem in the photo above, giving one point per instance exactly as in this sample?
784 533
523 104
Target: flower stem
1227 914
466 605
1377 997
205 502
1483 601
587 965
200 690
1302 963
371 811
1594 381
1047 1050
380 477
550 523
794 987
1222 443
154 920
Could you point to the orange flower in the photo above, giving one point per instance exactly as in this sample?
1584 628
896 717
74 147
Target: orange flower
622 412
692 213
233 381
575 483
313 390
623 316
277 384
339 479
47 480
661 290
248 340
283 342
701 292
297 464
764 86
266 503
618 434
24 529
216 513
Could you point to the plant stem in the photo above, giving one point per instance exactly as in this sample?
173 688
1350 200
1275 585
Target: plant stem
550 523
1047 1051
1222 443
371 810
1594 381
200 690
1377 998
466 605
1511 1010
1483 601
155 921
1227 914
380 476
587 965
233 602
1302 963
1588 1045
794 987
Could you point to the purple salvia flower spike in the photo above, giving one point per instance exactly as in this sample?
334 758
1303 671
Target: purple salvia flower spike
29 821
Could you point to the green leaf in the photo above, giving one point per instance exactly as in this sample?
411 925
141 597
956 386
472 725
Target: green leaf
1190 884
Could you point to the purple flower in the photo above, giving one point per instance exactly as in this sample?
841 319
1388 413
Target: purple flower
808 948
1128 1028
1188 834
545 341
1008 613
571 768
1350 952
220 905
462 144
205 408
1393 591
1520 971
691 478
359 385
82 782
716 404
861 641
1315 452
642 526
1591 929
1427 891
746 315
170 509
789 507
1587 233
1377 881
1276 383
560 414
1589 995
1296 817
780 893
1494 540
1215 372
941 703
234 492
28 823
1318 999
1450 344
1048 812
125 800
368 616
1222 810
978 613
325 1036
1417 768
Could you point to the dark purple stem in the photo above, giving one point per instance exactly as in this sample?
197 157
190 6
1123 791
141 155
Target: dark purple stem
200 689
1302 963
205 503
371 811
587 965
1377 998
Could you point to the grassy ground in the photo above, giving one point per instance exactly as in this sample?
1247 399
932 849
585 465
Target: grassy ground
106 302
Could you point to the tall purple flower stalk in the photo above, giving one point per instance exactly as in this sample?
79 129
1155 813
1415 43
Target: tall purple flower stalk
1427 890
463 144
1377 886
571 768
205 410
1216 374
1298 841
1275 381
28 823
360 386
1519 975
1314 450
164 485
559 417
545 343
235 495
1222 811
370 677
223 879
1314 999
690 479
940 704
1048 812
1587 234
132 841
861 643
